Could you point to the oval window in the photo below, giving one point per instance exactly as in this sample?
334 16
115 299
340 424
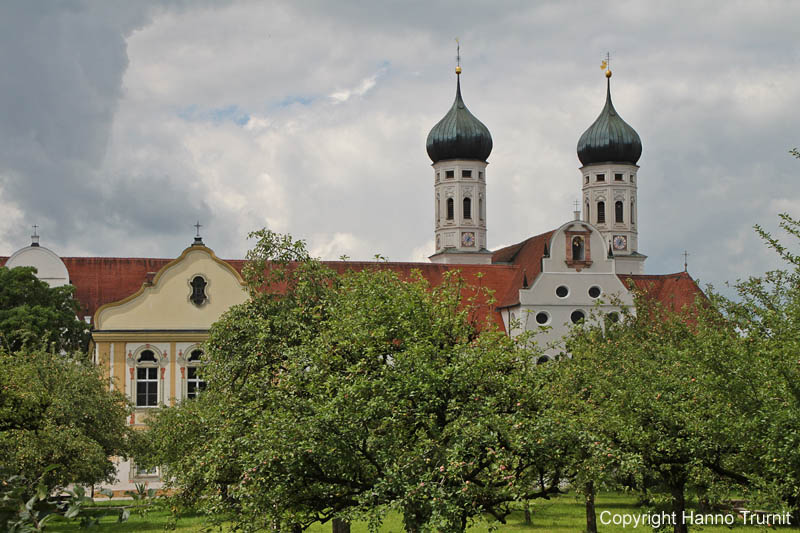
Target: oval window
562 291
594 292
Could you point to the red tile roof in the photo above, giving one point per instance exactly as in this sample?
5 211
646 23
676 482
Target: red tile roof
527 256
673 290
102 280
495 278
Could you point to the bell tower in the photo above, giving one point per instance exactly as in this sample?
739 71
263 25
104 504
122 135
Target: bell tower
609 151
459 145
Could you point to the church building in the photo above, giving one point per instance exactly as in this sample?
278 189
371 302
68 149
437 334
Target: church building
150 317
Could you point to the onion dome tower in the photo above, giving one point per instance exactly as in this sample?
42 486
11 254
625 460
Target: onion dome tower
459 145
609 151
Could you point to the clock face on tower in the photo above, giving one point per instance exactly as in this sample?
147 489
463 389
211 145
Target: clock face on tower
620 242
468 239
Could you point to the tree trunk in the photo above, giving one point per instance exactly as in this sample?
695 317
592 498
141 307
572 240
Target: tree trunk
796 512
297 529
678 506
591 516
340 526
414 518
527 512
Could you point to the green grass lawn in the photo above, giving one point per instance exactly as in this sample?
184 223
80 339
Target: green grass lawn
564 514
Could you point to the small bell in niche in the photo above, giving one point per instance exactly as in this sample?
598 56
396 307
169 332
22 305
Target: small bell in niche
198 296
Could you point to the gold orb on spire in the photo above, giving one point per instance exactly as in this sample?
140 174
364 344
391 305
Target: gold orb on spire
458 70
608 73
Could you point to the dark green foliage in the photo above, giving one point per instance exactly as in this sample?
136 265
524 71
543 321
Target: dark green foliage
764 382
348 396
57 410
646 394
705 401
33 315
23 512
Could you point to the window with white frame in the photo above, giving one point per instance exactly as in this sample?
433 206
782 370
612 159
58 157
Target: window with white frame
145 472
146 379
194 385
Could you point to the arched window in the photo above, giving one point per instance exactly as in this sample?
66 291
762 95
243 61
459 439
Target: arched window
633 216
438 210
586 215
146 379
194 385
618 216
601 212
577 249
480 208
198 296
467 207
451 209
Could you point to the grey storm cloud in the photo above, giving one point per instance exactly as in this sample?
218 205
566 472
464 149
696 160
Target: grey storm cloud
121 123
63 66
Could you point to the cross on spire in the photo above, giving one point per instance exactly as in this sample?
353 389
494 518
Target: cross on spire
685 261
458 57
606 64
198 240
577 212
35 236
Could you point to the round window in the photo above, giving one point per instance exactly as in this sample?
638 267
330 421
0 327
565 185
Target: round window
594 291
613 316
542 360
562 291
542 318
577 316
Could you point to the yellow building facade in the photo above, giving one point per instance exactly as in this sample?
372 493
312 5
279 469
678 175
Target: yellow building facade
150 344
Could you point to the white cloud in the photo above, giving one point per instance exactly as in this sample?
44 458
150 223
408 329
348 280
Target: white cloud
421 253
126 123
360 90
332 246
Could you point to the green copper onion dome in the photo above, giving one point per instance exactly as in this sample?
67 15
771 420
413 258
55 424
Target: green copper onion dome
459 135
609 139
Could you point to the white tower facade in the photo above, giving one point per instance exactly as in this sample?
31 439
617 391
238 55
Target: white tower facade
609 202
460 217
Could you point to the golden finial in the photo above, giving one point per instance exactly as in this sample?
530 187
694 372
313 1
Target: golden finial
606 65
458 57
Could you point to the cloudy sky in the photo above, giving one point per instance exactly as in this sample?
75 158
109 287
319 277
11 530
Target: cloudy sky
122 123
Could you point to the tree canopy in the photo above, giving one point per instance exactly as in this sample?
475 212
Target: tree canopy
346 396
57 410
35 315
